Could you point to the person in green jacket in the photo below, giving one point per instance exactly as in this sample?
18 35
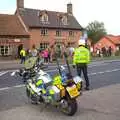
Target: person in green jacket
81 58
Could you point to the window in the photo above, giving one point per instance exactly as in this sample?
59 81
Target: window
58 33
71 33
44 32
44 18
4 50
59 19
64 20
43 45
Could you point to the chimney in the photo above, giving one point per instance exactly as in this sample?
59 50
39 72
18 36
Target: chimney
20 4
69 9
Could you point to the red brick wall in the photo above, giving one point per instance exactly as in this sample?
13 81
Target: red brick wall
14 43
25 42
36 38
105 43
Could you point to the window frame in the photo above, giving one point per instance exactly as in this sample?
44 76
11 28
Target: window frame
58 33
44 32
71 33
64 20
44 18
43 45
5 49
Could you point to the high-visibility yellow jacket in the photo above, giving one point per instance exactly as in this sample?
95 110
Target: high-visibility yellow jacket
81 55
23 53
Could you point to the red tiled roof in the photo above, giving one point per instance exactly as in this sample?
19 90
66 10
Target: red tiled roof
114 39
11 25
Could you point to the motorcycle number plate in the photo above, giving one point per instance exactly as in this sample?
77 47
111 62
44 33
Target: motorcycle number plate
73 91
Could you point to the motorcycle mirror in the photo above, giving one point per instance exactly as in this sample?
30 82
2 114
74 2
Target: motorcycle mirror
62 67
13 73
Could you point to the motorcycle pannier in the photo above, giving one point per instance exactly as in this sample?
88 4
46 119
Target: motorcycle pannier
54 92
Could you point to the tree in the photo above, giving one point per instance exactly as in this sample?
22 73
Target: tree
96 31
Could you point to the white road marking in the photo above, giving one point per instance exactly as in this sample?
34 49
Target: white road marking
5 88
92 74
100 64
8 88
22 85
19 86
107 71
90 66
3 72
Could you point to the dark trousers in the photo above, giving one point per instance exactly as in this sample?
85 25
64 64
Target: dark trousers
83 68
22 59
46 59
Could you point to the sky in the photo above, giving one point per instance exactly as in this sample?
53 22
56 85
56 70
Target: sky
85 11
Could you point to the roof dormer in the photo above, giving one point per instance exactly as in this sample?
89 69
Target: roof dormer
62 18
43 16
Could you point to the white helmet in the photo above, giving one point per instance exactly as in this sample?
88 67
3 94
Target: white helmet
81 42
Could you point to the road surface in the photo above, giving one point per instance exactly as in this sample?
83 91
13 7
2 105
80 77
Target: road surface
101 102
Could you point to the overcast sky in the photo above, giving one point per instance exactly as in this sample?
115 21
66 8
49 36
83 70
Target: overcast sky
85 11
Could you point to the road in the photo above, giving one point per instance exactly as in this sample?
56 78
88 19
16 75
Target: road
12 93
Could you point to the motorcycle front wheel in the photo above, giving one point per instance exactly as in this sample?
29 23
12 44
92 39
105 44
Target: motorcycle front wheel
71 107
32 98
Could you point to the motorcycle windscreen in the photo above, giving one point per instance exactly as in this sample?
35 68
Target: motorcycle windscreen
30 62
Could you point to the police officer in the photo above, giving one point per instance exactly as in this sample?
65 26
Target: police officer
23 55
81 58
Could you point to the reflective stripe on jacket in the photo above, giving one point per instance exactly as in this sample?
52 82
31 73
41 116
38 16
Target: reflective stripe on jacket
81 55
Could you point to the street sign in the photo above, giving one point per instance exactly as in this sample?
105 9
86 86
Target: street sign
16 40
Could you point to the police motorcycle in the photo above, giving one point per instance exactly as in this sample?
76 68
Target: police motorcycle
61 90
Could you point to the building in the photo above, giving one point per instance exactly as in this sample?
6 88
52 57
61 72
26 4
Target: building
12 35
49 28
109 41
